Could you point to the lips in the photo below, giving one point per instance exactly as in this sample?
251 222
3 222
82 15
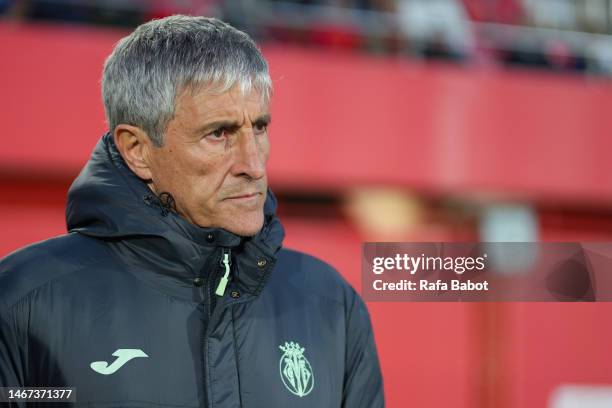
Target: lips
244 196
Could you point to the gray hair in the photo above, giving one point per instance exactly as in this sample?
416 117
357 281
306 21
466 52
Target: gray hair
150 67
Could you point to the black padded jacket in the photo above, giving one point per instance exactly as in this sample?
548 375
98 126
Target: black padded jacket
129 309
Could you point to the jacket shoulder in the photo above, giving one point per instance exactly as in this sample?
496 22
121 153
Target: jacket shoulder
33 266
312 275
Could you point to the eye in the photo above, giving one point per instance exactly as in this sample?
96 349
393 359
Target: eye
260 128
217 134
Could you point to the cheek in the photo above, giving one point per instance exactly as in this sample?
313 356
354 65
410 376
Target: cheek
205 173
264 147
174 172
171 167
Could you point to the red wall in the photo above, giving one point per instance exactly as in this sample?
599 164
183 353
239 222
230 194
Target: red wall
341 119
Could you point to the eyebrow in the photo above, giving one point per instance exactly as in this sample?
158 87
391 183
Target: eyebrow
232 124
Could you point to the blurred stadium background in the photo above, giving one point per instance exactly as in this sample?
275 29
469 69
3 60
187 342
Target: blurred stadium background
394 120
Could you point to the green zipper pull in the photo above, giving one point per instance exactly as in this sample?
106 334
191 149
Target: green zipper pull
225 278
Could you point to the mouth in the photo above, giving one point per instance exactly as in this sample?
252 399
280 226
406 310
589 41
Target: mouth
245 197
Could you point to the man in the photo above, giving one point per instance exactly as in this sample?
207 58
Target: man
171 287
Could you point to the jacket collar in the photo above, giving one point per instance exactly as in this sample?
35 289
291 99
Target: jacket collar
109 202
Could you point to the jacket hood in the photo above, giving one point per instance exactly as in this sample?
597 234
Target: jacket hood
108 201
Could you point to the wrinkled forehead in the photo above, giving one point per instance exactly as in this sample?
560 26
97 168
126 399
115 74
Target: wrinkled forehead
250 87
204 103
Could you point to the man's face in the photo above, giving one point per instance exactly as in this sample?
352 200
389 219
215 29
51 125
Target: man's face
213 161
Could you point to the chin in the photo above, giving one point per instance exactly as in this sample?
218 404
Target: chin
245 227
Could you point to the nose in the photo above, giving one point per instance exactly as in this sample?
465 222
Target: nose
250 157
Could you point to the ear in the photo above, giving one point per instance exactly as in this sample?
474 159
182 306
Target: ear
135 147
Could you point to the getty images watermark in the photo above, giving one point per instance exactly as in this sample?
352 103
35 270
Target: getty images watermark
487 271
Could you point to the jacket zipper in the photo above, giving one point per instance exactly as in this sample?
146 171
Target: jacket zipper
223 281
226 262
212 301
